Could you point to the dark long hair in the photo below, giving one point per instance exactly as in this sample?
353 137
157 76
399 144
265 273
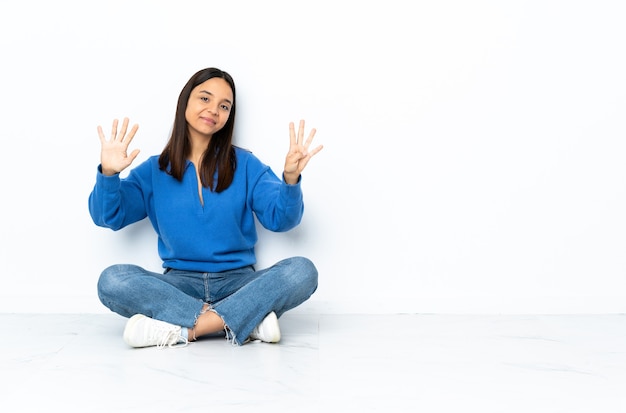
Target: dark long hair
219 157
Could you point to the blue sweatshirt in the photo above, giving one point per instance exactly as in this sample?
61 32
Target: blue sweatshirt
217 236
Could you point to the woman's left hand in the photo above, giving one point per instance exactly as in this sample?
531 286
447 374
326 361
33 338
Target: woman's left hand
299 153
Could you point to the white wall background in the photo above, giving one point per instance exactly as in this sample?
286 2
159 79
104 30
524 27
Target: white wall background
474 150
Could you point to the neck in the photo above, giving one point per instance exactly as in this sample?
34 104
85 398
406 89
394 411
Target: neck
198 147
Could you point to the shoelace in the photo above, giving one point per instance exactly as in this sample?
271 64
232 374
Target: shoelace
167 339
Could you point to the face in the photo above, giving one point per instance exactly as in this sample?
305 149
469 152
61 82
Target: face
209 107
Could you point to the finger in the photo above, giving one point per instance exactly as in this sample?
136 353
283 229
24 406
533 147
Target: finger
310 138
101 134
301 132
303 161
132 133
316 150
122 133
292 134
133 155
114 130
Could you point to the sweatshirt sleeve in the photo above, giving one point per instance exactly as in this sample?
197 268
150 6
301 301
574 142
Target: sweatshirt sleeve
278 206
115 202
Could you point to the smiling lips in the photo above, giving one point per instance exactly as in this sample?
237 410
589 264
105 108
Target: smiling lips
210 121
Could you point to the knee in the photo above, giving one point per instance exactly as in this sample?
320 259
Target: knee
306 271
112 279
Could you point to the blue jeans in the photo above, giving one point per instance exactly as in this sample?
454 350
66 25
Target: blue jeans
241 297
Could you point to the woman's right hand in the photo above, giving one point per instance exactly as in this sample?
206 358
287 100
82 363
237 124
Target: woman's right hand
114 156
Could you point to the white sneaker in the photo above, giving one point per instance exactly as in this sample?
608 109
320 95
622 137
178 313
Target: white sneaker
143 331
268 331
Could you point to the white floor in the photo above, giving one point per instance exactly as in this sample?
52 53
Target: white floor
324 363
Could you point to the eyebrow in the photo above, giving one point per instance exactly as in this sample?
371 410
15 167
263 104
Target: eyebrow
209 93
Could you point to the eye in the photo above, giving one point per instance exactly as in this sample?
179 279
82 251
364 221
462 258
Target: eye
204 98
225 107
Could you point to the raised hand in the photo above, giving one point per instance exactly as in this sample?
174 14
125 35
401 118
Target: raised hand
299 153
114 156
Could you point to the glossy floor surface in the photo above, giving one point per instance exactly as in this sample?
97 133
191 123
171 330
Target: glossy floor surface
342 363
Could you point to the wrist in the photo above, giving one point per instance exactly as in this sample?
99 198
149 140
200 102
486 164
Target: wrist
107 172
291 178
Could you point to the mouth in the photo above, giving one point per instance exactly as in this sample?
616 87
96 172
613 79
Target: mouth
209 121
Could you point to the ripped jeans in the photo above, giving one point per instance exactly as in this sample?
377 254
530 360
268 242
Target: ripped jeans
241 297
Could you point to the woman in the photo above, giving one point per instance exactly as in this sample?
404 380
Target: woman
202 195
